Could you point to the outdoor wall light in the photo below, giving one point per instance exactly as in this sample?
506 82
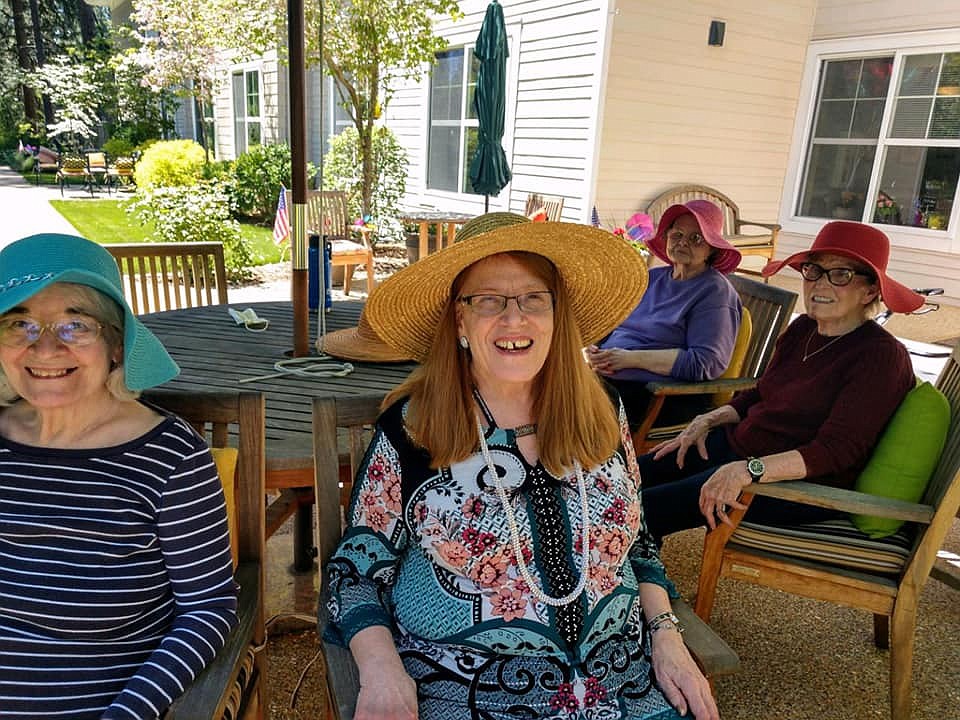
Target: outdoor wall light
717 29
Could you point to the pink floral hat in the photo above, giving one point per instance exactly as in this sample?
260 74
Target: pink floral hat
710 219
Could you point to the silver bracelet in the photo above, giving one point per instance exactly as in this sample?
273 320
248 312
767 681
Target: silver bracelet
663 621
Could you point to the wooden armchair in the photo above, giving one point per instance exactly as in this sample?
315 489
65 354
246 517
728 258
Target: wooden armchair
769 309
232 686
168 276
357 414
552 204
762 244
97 170
328 216
73 167
835 562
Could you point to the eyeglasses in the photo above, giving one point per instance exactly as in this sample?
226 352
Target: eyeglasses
17 332
531 303
693 239
838 276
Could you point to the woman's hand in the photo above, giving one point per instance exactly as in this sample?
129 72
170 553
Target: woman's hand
393 696
722 491
680 679
606 362
694 434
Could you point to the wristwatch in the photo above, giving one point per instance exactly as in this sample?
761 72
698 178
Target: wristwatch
756 468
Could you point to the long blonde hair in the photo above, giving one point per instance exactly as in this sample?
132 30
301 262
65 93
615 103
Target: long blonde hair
575 416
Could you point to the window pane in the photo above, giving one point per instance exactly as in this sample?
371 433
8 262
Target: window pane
833 120
253 94
472 85
443 163
852 98
840 78
866 119
253 133
836 181
946 118
910 118
239 114
918 186
446 86
950 75
470 148
875 78
919 74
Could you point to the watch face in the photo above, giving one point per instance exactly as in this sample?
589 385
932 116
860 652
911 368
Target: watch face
755 467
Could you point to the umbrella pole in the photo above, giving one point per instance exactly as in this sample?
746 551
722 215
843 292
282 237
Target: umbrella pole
486 204
298 162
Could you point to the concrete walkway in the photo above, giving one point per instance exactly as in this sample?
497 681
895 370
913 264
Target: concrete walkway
26 208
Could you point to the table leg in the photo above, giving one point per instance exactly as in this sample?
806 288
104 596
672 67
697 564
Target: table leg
424 238
303 538
451 233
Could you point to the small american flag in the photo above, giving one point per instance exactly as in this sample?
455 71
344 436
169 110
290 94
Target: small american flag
281 223
595 217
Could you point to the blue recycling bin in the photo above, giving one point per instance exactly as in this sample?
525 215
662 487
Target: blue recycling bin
313 273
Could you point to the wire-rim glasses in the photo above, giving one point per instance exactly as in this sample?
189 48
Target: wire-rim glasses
693 239
838 276
18 332
491 305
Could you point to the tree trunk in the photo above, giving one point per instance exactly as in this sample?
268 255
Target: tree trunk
88 23
41 55
24 60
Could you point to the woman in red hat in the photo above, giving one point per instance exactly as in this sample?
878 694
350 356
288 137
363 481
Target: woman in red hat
834 381
686 325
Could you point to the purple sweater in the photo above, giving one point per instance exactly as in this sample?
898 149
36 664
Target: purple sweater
700 316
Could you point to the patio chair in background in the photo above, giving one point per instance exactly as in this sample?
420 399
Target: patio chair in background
97 169
357 414
328 216
233 686
46 160
73 167
551 204
170 276
120 172
835 562
756 248
769 310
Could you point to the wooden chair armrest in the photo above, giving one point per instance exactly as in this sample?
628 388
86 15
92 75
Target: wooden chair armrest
845 500
207 695
701 388
711 652
769 226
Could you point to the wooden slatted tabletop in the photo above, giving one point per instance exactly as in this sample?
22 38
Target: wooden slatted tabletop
214 352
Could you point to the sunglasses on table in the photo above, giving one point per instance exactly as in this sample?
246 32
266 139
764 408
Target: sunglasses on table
490 305
16 332
838 276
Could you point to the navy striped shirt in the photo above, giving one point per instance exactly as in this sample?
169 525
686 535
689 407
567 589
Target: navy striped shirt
116 582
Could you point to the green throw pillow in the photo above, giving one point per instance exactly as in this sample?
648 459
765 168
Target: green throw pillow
905 456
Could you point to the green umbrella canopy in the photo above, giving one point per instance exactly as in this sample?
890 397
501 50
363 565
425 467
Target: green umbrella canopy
489 171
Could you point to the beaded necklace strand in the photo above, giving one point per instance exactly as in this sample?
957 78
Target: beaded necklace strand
535 589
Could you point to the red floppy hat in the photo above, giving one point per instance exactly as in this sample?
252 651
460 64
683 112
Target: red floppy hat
710 219
865 244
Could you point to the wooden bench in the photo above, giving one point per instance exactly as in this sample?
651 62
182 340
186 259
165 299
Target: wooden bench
756 247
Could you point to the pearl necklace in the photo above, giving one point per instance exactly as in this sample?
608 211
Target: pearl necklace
806 348
535 590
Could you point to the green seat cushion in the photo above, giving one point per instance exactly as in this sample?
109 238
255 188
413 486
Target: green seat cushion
905 456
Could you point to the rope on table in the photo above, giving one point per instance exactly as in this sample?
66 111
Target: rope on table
312 366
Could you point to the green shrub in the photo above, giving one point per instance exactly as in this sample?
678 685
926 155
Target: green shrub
258 175
118 147
170 163
196 213
343 170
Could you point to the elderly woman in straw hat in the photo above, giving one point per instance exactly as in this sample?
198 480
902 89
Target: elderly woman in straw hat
496 561
833 383
115 567
685 326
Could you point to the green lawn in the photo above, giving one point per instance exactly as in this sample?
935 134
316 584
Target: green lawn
106 222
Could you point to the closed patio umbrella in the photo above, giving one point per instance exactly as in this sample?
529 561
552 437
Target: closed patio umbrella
489 171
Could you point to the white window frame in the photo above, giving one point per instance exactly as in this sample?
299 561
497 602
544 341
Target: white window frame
466 38
244 71
937 41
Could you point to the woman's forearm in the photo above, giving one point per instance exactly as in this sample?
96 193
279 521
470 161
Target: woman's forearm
375 653
658 361
723 415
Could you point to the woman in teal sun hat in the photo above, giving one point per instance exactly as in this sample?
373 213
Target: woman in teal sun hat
115 563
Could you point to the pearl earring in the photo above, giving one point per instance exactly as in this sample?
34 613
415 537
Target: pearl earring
464 343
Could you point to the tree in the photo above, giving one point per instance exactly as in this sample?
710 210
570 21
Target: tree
369 45
75 93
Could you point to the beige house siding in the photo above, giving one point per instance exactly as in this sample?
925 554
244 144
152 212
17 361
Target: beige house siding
679 111
842 18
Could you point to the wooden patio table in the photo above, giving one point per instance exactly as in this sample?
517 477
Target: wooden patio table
446 224
214 353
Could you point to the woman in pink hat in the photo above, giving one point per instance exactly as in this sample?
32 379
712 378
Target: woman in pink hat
686 324
834 381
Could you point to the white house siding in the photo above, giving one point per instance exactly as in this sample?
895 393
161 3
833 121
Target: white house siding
553 86
679 111
915 259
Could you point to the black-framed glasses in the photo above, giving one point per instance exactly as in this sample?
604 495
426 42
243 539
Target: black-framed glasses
490 305
838 276
693 239
17 332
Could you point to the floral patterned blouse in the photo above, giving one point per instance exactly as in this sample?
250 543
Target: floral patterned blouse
428 554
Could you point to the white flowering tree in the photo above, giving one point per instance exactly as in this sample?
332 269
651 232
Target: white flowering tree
75 93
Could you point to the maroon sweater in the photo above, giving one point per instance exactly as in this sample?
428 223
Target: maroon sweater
831 408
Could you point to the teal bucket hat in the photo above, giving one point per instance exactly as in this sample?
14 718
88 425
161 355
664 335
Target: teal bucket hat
30 264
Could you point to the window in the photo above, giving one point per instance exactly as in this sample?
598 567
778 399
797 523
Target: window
884 145
335 116
453 122
247 125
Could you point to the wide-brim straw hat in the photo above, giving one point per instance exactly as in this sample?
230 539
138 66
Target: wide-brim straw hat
360 343
710 219
863 243
604 277
33 263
